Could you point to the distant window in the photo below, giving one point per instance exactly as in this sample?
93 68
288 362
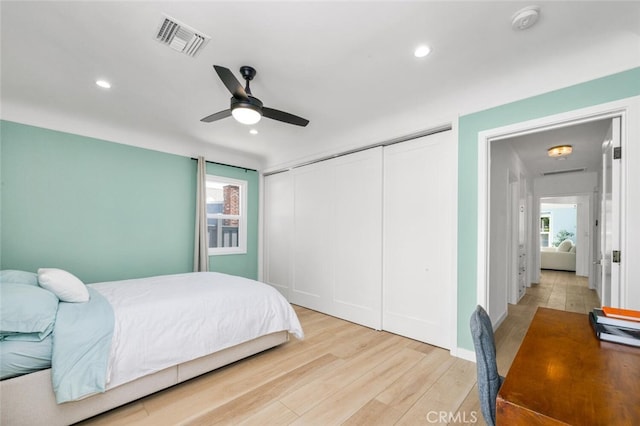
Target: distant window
545 230
226 215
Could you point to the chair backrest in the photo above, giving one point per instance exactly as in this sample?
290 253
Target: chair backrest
489 381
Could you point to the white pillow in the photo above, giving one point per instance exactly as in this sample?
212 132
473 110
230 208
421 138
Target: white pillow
63 284
565 245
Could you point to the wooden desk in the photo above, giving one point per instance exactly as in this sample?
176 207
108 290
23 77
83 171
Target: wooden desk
562 374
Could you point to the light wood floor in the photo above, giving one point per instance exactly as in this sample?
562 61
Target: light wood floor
343 373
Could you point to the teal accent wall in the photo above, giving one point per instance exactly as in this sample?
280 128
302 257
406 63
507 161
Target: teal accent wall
607 89
102 210
240 264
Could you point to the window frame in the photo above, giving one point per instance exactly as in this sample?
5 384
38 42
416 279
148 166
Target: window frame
549 232
242 217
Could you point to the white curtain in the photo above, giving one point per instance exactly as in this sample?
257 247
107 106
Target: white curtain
200 253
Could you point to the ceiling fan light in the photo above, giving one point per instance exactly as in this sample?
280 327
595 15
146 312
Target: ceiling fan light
246 115
422 51
560 151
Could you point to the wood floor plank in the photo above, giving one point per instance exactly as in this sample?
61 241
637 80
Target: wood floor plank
314 392
124 415
345 402
242 407
275 414
374 413
469 411
405 391
445 396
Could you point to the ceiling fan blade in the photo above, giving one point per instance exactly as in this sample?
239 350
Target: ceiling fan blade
275 114
231 82
217 116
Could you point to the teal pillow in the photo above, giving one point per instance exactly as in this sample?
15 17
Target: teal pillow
26 312
18 277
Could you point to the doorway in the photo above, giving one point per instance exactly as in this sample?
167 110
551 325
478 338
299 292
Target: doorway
494 285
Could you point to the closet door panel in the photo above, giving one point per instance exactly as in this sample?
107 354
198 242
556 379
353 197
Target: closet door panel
312 268
357 237
278 228
337 237
419 234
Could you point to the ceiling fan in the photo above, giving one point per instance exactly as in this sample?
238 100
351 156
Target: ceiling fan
246 108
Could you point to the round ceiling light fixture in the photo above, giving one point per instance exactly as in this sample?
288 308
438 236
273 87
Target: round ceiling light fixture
422 51
103 83
560 151
246 115
246 111
525 18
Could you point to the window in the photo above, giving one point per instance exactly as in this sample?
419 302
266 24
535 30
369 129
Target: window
226 215
545 230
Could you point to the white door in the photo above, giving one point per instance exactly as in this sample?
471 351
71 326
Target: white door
278 225
419 238
610 218
336 242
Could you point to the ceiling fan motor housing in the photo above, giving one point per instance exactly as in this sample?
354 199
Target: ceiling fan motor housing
251 102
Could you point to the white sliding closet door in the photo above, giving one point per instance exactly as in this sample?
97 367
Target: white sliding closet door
419 238
278 228
337 243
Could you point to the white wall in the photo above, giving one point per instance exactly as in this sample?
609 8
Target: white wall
506 168
565 184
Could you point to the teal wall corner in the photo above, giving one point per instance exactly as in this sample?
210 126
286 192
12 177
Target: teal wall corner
599 91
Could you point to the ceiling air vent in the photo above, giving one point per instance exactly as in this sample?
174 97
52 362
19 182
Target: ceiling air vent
559 172
180 37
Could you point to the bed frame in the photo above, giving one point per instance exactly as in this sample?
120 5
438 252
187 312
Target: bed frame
29 400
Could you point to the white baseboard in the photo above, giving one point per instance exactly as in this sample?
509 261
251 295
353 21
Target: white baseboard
465 354
500 320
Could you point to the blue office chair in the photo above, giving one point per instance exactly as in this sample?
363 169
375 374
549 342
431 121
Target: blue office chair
489 381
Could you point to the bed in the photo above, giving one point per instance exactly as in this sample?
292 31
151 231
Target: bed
144 335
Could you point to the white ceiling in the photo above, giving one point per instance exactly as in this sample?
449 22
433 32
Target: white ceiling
348 67
585 138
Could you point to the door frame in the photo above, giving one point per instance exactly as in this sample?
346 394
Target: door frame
618 108
513 242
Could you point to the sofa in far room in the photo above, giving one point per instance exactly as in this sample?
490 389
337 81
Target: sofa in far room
561 258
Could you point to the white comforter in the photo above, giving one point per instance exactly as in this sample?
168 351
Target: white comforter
166 320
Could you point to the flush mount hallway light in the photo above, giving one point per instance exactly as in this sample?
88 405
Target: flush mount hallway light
104 84
560 151
422 51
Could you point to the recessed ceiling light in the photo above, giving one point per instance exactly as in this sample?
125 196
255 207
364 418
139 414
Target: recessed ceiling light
422 51
253 131
104 84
